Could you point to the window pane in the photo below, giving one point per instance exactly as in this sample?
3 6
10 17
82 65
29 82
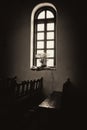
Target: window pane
40 27
40 36
49 14
41 15
40 44
50 53
50 62
50 44
50 35
50 26
40 52
38 62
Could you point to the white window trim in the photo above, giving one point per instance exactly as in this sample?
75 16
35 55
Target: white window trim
31 29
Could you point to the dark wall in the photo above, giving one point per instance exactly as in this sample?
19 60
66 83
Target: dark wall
71 43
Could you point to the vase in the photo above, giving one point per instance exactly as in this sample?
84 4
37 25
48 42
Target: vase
43 65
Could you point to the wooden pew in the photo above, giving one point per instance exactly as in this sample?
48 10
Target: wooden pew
16 98
18 101
25 89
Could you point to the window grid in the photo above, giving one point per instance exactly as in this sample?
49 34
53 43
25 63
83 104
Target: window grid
44 21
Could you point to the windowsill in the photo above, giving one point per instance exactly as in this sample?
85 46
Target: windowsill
42 68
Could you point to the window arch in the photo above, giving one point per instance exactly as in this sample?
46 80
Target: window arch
43 35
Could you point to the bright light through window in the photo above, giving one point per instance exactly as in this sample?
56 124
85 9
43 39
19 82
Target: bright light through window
50 44
40 44
41 15
49 14
40 52
50 35
43 36
50 26
50 62
40 27
50 53
40 36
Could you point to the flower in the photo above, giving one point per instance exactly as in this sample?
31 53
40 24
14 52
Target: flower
41 55
43 58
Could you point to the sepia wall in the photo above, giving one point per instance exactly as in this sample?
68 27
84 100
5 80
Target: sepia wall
15 43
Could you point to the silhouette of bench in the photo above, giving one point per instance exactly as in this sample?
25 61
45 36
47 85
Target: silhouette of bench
19 97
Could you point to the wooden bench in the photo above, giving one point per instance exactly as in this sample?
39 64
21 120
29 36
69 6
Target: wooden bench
18 97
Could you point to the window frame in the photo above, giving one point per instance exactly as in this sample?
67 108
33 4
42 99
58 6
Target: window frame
45 21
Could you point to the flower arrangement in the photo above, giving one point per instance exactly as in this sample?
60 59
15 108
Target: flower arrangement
43 58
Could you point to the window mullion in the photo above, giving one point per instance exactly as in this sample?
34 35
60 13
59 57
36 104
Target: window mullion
34 43
45 34
55 43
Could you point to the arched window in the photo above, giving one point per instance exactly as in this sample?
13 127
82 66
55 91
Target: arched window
43 36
